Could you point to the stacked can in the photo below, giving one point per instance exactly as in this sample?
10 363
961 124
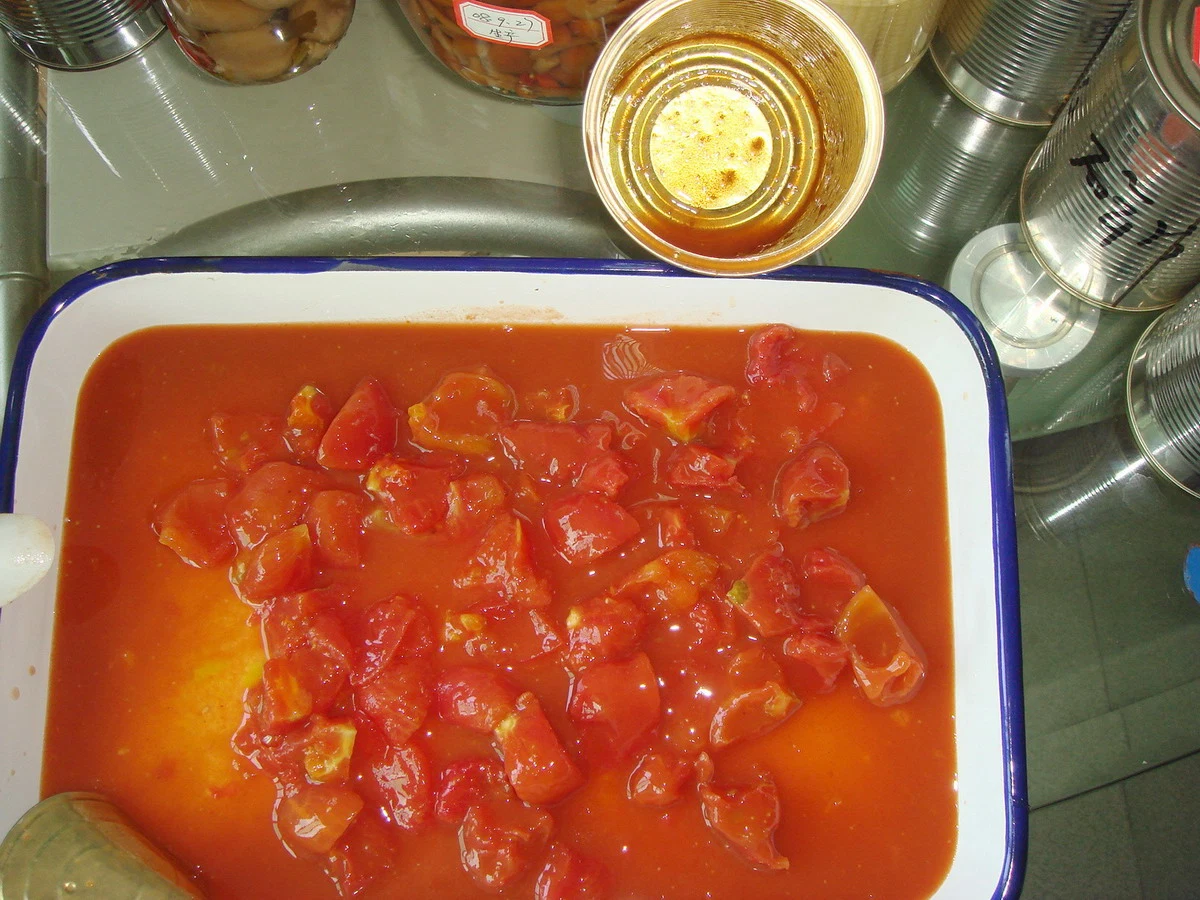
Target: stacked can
1110 202
80 34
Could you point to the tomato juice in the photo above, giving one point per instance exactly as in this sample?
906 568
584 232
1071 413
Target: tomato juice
638 613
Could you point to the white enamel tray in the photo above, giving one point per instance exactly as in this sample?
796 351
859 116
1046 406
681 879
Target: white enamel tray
96 309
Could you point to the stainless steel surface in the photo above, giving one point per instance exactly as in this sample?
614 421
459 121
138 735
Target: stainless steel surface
1018 60
1164 394
1110 202
80 34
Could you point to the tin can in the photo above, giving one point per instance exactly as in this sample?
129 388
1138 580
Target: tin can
1163 393
80 34
895 33
1110 202
1018 60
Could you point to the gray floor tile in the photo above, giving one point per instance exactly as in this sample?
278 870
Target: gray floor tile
1076 759
1164 818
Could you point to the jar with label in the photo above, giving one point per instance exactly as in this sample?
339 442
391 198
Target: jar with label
257 41
541 50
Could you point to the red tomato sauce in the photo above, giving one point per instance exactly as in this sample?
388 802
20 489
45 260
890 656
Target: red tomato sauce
677 620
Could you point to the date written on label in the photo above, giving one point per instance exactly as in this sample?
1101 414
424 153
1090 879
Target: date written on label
503 26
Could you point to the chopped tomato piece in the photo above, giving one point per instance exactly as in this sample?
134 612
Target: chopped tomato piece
309 414
244 442
831 579
553 405
462 413
394 628
671 526
272 498
603 628
555 453
285 700
513 636
328 746
746 817
475 698
751 714
754 667
677 578
472 502
819 658
192 523
603 475
622 697
538 767
363 430
285 619
768 595
499 842
711 625
466 783
811 487
404 777
336 519
315 817
504 563
776 357
366 852
678 403
282 564
658 778
889 664
584 527
413 494
568 875
397 700
701 468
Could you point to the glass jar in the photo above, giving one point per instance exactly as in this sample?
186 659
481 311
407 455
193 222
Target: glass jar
257 41
540 50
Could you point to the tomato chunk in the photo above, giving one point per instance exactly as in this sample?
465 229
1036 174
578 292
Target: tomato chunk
568 875
328 745
603 628
746 817
679 403
621 697
192 523
315 817
751 714
362 431
769 593
272 498
658 778
671 524
818 658
889 664
366 852
499 842
813 486
677 579
462 413
830 579
394 628
473 502
282 564
556 453
336 519
285 700
538 767
503 562
309 414
694 467
584 527
469 782
397 700
404 777
244 442
475 698
512 636
413 494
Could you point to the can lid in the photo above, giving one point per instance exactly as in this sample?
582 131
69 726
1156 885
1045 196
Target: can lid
1168 31
1034 324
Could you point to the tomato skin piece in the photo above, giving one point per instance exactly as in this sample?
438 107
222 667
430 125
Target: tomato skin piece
813 486
466 783
404 777
658 779
503 562
242 443
314 818
889 665
498 843
281 564
694 467
535 762
819 657
601 629
309 414
394 628
751 714
474 697
462 413
746 817
768 594
568 875
192 523
414 495
397 700
336 519
584 527
272 498
362 431
621 697
679 403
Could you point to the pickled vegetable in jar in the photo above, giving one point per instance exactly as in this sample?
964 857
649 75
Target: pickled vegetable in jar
257 41
541 50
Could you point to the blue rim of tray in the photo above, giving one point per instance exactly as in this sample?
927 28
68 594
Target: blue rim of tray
1004 540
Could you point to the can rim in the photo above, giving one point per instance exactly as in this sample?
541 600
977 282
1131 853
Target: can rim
1164 31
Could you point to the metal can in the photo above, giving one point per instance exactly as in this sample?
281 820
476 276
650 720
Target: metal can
1018 60
1110 202
80 34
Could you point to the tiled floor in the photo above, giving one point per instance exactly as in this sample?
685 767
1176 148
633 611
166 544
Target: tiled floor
1112 675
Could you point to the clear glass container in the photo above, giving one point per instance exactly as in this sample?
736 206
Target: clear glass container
541 50
257 41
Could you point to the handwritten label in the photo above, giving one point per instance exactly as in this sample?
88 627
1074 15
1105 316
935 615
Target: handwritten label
503 26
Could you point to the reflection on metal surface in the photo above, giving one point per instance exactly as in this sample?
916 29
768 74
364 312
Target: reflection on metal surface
407 216
80 34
